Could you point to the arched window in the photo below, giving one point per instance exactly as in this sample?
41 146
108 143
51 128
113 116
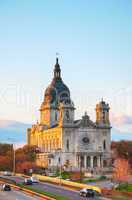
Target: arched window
88 161
95 161
67 145
103 116
55 116
82 161
104 163
104 145
67 114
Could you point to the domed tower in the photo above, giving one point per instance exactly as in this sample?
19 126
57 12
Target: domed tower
102 114
57 93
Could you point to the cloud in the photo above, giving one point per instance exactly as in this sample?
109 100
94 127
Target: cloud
122 122
121 119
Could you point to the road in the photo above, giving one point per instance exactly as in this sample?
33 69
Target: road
15 195
55 189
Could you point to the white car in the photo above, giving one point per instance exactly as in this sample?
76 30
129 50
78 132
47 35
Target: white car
87 192
5 187
7 173
34 179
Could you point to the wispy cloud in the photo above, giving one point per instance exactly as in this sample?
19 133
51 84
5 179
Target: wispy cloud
122 122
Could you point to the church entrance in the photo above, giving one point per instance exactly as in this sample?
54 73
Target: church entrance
95 161
88 162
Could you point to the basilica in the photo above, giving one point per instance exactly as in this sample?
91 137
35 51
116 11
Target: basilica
64 141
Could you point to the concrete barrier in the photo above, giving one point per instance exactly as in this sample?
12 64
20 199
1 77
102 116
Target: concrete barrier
67 183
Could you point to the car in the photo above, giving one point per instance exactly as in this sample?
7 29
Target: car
34 179
28 181
6 187
87 192
7 173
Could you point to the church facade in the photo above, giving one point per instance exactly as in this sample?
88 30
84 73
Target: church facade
64 141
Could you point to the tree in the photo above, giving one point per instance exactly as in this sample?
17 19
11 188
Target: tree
24 157
121 170
122 149
25 166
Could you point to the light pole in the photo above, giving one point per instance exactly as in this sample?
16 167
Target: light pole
14 160
60 150
14 154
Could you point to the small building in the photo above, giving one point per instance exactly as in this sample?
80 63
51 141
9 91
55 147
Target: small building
64 141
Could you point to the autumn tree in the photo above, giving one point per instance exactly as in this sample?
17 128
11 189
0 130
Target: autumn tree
122 149
6 157
24 157
120 170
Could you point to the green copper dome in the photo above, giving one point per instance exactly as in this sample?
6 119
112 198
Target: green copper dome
57 91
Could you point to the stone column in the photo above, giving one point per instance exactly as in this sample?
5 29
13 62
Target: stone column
98 161
91 161
85 161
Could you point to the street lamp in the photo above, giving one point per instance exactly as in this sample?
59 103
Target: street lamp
14 154
60 150
14 160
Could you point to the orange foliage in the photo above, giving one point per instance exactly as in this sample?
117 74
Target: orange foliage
25 165
5 163
121 169
24 157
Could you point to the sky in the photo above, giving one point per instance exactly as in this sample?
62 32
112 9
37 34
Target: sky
94 42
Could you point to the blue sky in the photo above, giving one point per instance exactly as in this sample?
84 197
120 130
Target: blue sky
94 39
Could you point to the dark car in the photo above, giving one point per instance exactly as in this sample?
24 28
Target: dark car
87 192
28 181
6 187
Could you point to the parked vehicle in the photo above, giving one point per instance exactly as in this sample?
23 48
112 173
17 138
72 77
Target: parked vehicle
7 173
28 181
5 187
34 179
87 192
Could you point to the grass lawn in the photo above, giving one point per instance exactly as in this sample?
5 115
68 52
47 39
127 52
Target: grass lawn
125 187
120 198
90 180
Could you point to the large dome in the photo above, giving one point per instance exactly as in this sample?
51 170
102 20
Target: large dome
57 91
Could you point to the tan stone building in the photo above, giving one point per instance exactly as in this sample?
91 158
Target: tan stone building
65 141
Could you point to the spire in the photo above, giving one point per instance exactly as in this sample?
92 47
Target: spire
57 70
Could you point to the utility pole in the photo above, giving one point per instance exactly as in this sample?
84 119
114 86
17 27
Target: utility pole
14 160
60 150
14 154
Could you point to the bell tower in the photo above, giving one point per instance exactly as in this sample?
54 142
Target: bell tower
66 116
57 70
102 113
56 94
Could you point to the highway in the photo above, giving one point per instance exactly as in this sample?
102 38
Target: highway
15 195
54 189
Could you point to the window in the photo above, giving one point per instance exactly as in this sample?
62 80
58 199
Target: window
104 145
103 116
59 159
55 116
67 145
104 163
82 161
95 161
88 161
67 114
